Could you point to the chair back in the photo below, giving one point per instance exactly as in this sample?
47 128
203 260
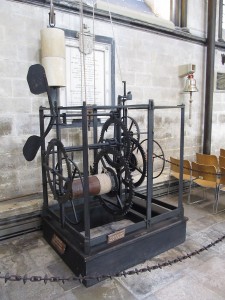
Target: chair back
207 159
222 152
222 176
175 166
222 161
204 172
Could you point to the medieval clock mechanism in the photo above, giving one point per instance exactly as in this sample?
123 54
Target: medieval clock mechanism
100 219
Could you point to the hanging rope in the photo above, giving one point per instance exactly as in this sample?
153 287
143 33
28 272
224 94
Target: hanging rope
81 42
86 46
116 49
93 41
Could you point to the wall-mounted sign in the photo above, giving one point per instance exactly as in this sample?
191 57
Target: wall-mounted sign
220 81
89 77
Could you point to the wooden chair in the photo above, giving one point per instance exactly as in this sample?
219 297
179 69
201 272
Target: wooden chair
206 177
222 152
220 188
222 162
207 159
175 170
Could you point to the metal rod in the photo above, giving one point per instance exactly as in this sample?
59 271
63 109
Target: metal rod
51 15
95 130
180 198
93 146
183 13
62 214
44 177
55 172
150 163
86 183
175 14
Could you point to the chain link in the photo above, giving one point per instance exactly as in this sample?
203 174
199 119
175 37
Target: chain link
7 277
99 277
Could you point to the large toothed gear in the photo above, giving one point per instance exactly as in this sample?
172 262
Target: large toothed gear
137 163
132 127
59 173
114 132
119 200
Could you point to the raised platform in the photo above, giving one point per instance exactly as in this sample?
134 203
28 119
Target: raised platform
137 242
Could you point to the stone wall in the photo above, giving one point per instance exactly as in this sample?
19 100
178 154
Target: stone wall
148 61
19 27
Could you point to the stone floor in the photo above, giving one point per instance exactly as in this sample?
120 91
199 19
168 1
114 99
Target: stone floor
201 277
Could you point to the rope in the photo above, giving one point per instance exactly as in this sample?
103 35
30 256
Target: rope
86 48
81 54
93 25
83 63
117 54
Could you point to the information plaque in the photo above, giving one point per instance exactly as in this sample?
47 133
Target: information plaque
220 81
89 77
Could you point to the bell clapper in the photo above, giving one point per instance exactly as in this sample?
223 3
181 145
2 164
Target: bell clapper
190 105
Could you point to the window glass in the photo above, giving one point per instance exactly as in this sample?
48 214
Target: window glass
161 8
223 19
151 11
221 35
136 5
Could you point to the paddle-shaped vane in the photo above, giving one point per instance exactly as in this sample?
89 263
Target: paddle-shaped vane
38 84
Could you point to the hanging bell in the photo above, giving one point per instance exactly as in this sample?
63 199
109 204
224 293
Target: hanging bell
190 84
189 88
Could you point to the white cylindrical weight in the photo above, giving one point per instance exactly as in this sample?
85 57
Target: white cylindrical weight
105 183
55 68
53 56
52 42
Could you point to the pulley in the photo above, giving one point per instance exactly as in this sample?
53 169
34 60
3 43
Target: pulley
86 41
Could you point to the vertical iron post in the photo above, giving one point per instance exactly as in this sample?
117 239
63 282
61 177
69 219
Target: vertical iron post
150 161
44 177
209 87
55 97
175 12
178 13
95 129
180 197
85 180
183 13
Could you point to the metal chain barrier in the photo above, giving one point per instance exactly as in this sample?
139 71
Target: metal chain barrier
24 278
46 278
